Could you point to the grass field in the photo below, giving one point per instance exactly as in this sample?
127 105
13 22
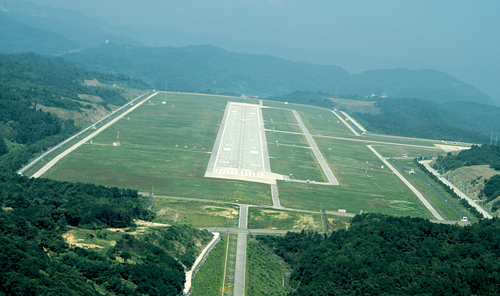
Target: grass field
208 279
194 213
296 162
163 147
264 273
280 120
371 189
288 220
445 210
167 146
411 152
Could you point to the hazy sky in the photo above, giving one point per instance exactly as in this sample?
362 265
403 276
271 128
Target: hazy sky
461 38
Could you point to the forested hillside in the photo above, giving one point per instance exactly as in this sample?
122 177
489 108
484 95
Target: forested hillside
29 81
36 260
458 121
477 155
198 68
383 255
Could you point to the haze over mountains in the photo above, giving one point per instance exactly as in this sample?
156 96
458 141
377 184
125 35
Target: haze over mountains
80 39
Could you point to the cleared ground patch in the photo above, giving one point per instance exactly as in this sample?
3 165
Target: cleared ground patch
356 106
194 213
284 220
260 218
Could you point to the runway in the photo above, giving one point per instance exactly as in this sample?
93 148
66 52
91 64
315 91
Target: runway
240 151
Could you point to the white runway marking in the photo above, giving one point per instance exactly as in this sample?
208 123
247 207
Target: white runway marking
240 146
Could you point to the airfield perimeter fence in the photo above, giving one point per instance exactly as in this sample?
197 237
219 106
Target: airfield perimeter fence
197 267
71 139
433 188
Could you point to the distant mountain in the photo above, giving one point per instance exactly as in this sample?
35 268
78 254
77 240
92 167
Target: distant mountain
197 68
425 84
84 31
17 37
200 68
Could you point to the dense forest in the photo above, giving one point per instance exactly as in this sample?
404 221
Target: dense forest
477 155
36 260
383 255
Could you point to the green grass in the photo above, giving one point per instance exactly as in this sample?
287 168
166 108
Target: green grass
298 163
411 152
337 222
286 138
280 120
374 190
444 209
264 274
168 148
208 279
441 205
194 213
161 147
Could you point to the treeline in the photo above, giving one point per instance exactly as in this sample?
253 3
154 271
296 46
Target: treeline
383 255
477 155
450 191
197 68
54 203
457 121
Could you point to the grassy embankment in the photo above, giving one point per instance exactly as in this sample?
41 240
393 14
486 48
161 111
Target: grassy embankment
264 274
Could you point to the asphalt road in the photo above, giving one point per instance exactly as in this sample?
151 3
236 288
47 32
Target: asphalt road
317 153
240 268
243 216
275 196
417 193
